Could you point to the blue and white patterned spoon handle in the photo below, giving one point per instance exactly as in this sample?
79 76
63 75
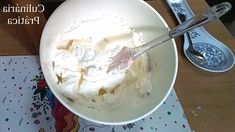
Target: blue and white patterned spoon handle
180 6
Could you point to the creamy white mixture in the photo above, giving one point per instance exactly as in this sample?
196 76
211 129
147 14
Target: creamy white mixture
80 64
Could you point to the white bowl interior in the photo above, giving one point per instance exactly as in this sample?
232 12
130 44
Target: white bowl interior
144 19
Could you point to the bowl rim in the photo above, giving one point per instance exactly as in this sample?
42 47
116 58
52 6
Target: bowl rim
118 122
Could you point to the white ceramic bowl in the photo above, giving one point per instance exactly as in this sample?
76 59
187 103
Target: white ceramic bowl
137 14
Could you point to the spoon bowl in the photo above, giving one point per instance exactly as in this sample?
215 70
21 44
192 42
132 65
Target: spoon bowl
218 57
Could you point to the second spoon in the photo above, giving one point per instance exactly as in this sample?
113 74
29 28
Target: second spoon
191 51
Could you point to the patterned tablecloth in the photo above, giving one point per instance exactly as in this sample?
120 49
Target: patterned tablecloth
26 104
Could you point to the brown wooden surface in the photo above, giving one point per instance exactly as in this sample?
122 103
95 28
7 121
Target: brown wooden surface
208 99
21 39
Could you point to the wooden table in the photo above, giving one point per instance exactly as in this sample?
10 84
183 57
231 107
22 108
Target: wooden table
208 99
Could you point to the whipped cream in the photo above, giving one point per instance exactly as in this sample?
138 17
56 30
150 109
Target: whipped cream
80 63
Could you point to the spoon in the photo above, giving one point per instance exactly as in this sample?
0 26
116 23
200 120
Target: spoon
194 54
218 57
123 58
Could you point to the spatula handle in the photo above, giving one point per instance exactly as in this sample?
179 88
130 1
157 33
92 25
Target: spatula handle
196 21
